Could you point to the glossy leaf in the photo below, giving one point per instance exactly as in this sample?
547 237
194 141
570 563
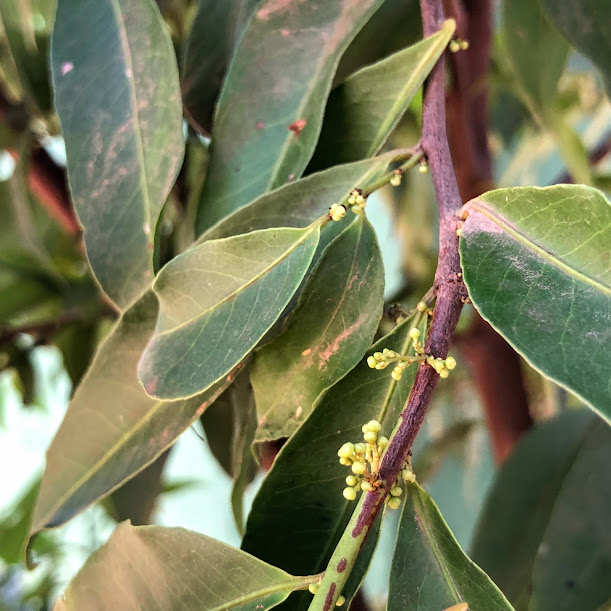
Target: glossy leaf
156 568
112 429
271 106
586 24
309 198
215 30
217 300
537 266
333 324
543 535
307 469
118 99
362 112
529 35
429 568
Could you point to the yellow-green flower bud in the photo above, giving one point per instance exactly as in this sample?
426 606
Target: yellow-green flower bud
371 361
395 180
443 373
370 437
374 425
314 587
450 363
464 45
396 374
407 475
382 442
344 461
351 480
421 306
454 46
346 451
359 448
381 365
394 502
365 485
396 491
423 168
414 333
359 467
349 493
340 601
378 356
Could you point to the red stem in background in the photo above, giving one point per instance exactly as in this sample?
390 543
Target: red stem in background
495 366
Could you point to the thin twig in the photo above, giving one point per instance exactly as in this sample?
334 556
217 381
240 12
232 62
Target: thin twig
449 290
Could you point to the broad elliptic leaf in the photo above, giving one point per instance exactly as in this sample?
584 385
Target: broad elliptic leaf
586 24
362 112
215 30
537 265
301 499
544 532
118 99
333 324
309 198
272 102
168 569
217 300
112 429
529 35
429 568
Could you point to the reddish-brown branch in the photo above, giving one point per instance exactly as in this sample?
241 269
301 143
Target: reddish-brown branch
448 284
495 365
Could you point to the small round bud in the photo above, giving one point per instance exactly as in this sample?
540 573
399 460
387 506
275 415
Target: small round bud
374 426
359 448
370 437
337 212
407 475
340 601
378 356
352 200
381 365
371 361
464 45
349 493
360 200
423 168
365 485
364 428
443 373
454 46
382 442
414 333
459 232
351 480
314 587
450 363
344 461
394 502
396 374
395 180
421 306
396 491
346 450
359 467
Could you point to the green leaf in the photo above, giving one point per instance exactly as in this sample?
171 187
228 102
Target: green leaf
309 198
301 499
14 526
543 535
528 37
217 301
112 429
429 568
216 27
271 106
334 323
537 266
586 24
152 567
118 99
362 112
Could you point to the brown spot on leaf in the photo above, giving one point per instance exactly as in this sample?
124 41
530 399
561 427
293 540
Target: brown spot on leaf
341 567
297 127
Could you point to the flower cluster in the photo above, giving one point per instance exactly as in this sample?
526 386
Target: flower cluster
357 199
381 360
457 45
337 212
363 459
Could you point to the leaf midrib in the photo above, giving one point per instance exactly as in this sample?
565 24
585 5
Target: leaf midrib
400 102
551 258
315 226
133 96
